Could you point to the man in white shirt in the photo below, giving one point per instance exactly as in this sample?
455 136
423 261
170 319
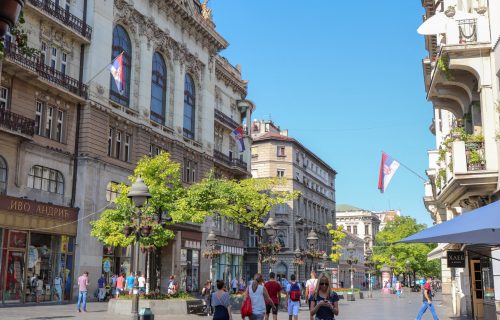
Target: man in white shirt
58 287
234 285
311 287
142 283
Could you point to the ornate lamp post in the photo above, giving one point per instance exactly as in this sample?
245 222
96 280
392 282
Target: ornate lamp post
393 266
298 260
9 13
312 241
324 257
369 264
139 194
270 230
351 260
211 242
408 270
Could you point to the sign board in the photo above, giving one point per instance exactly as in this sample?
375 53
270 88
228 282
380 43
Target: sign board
456 259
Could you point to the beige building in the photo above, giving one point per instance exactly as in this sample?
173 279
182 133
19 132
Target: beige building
275 154
461 81
69 131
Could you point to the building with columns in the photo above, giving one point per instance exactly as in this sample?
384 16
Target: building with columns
69 131
276 154
461 81
360 223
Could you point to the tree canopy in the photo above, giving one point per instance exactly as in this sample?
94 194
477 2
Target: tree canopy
416 253
338 235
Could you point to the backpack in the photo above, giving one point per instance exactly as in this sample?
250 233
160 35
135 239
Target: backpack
295 292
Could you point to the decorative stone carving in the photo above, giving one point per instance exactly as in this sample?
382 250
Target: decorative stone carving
206 12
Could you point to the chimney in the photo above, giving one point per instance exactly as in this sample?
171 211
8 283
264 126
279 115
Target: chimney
284 132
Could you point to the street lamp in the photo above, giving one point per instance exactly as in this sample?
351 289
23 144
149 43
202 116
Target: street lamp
393 266
9 13
324 257
312 241
139 194
408 269
298 260
369 264
270 229
350 261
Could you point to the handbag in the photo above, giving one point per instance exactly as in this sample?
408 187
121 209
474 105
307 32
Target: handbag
246 307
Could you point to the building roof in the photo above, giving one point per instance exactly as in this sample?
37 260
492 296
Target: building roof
347 207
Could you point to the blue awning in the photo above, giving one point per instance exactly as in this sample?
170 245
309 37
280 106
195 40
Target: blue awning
479 226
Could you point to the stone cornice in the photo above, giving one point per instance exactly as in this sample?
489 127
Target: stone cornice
230 76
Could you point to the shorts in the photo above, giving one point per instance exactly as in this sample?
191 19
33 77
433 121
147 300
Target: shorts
269 308
293 308
119 290
39 293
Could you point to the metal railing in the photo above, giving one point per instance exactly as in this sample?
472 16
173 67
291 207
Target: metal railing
220 116
221 157
48 73
16 122
67 18
474 154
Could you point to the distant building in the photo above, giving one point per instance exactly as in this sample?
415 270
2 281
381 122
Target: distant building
361 223
386 217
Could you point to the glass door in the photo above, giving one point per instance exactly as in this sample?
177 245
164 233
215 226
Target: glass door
477 288
13 268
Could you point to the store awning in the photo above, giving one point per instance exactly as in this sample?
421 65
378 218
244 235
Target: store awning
479 226
437 252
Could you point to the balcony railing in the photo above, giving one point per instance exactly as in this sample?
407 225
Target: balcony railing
240 164
221 157
474 153
68 19
16 122
45 71
220 116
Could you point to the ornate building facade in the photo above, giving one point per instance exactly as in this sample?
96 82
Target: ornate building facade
69 133
275 154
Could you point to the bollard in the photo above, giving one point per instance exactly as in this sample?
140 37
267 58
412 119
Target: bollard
146 314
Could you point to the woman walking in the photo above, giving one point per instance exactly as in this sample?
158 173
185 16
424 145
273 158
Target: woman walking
221 302
259 296
324 303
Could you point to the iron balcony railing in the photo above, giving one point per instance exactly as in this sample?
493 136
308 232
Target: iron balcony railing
46 72
16 122
474 153
63 15
221 157
220 116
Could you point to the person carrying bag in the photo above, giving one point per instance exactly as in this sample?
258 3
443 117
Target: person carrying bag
221 303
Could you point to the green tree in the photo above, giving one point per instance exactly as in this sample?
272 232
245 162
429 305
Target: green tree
416 253
338 235
162 176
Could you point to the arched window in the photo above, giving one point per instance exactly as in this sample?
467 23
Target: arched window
158 89
43 178
3 176
189 104
121 43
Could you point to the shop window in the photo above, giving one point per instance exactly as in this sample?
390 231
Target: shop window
112 191
3 176
46 179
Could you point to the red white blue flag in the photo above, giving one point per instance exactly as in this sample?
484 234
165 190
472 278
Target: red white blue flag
116 69
238 136
388 167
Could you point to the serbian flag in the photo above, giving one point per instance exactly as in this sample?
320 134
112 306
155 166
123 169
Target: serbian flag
388 167
116 69
238 136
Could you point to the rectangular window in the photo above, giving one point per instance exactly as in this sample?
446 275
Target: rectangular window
48 122
53 58
110 141
118 144
126 147
349 229
230 225
4 96
38 118
280 151
280 173
252 239
367 229
43 52
59 127
216 221
355 229
64 60
187 170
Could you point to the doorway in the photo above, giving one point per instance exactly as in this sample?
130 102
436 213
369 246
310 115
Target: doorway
477 289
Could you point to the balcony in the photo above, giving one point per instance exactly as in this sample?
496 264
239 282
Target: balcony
44 71
65 17
224 159
225 120
16 123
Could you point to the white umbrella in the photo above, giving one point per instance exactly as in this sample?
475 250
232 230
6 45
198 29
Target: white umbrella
434 25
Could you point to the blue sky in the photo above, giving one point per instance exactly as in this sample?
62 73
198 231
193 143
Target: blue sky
346 80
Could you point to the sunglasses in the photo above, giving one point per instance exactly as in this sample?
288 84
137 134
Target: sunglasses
323 284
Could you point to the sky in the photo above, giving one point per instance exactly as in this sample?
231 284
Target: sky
346 80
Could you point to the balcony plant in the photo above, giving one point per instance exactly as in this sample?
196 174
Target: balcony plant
21 40
443 65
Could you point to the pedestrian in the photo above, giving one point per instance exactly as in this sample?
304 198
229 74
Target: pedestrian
58 287
324 302
130 283
234 285
142 283
206 294
172 285
221 302
83 283
293 298
113 284
398 289
101 284
427 300
273 288
120 285
39 289
258 296
242 285
311 287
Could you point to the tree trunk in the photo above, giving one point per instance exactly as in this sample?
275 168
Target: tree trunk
259 254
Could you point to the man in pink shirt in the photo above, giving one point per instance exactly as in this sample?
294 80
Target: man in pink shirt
120 282
83 283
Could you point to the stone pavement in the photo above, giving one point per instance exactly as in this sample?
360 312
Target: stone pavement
387 307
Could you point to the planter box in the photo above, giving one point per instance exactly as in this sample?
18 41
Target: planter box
158 307
350 297
361 296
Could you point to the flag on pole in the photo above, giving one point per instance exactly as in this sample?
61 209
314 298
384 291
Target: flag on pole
388 167
239 136
116 69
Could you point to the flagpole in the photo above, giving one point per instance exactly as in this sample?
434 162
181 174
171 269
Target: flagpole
407 168
106 67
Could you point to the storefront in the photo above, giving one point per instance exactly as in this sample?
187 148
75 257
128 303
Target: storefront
36 239
190 261
229 265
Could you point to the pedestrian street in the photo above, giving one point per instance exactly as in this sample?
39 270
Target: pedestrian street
387 307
